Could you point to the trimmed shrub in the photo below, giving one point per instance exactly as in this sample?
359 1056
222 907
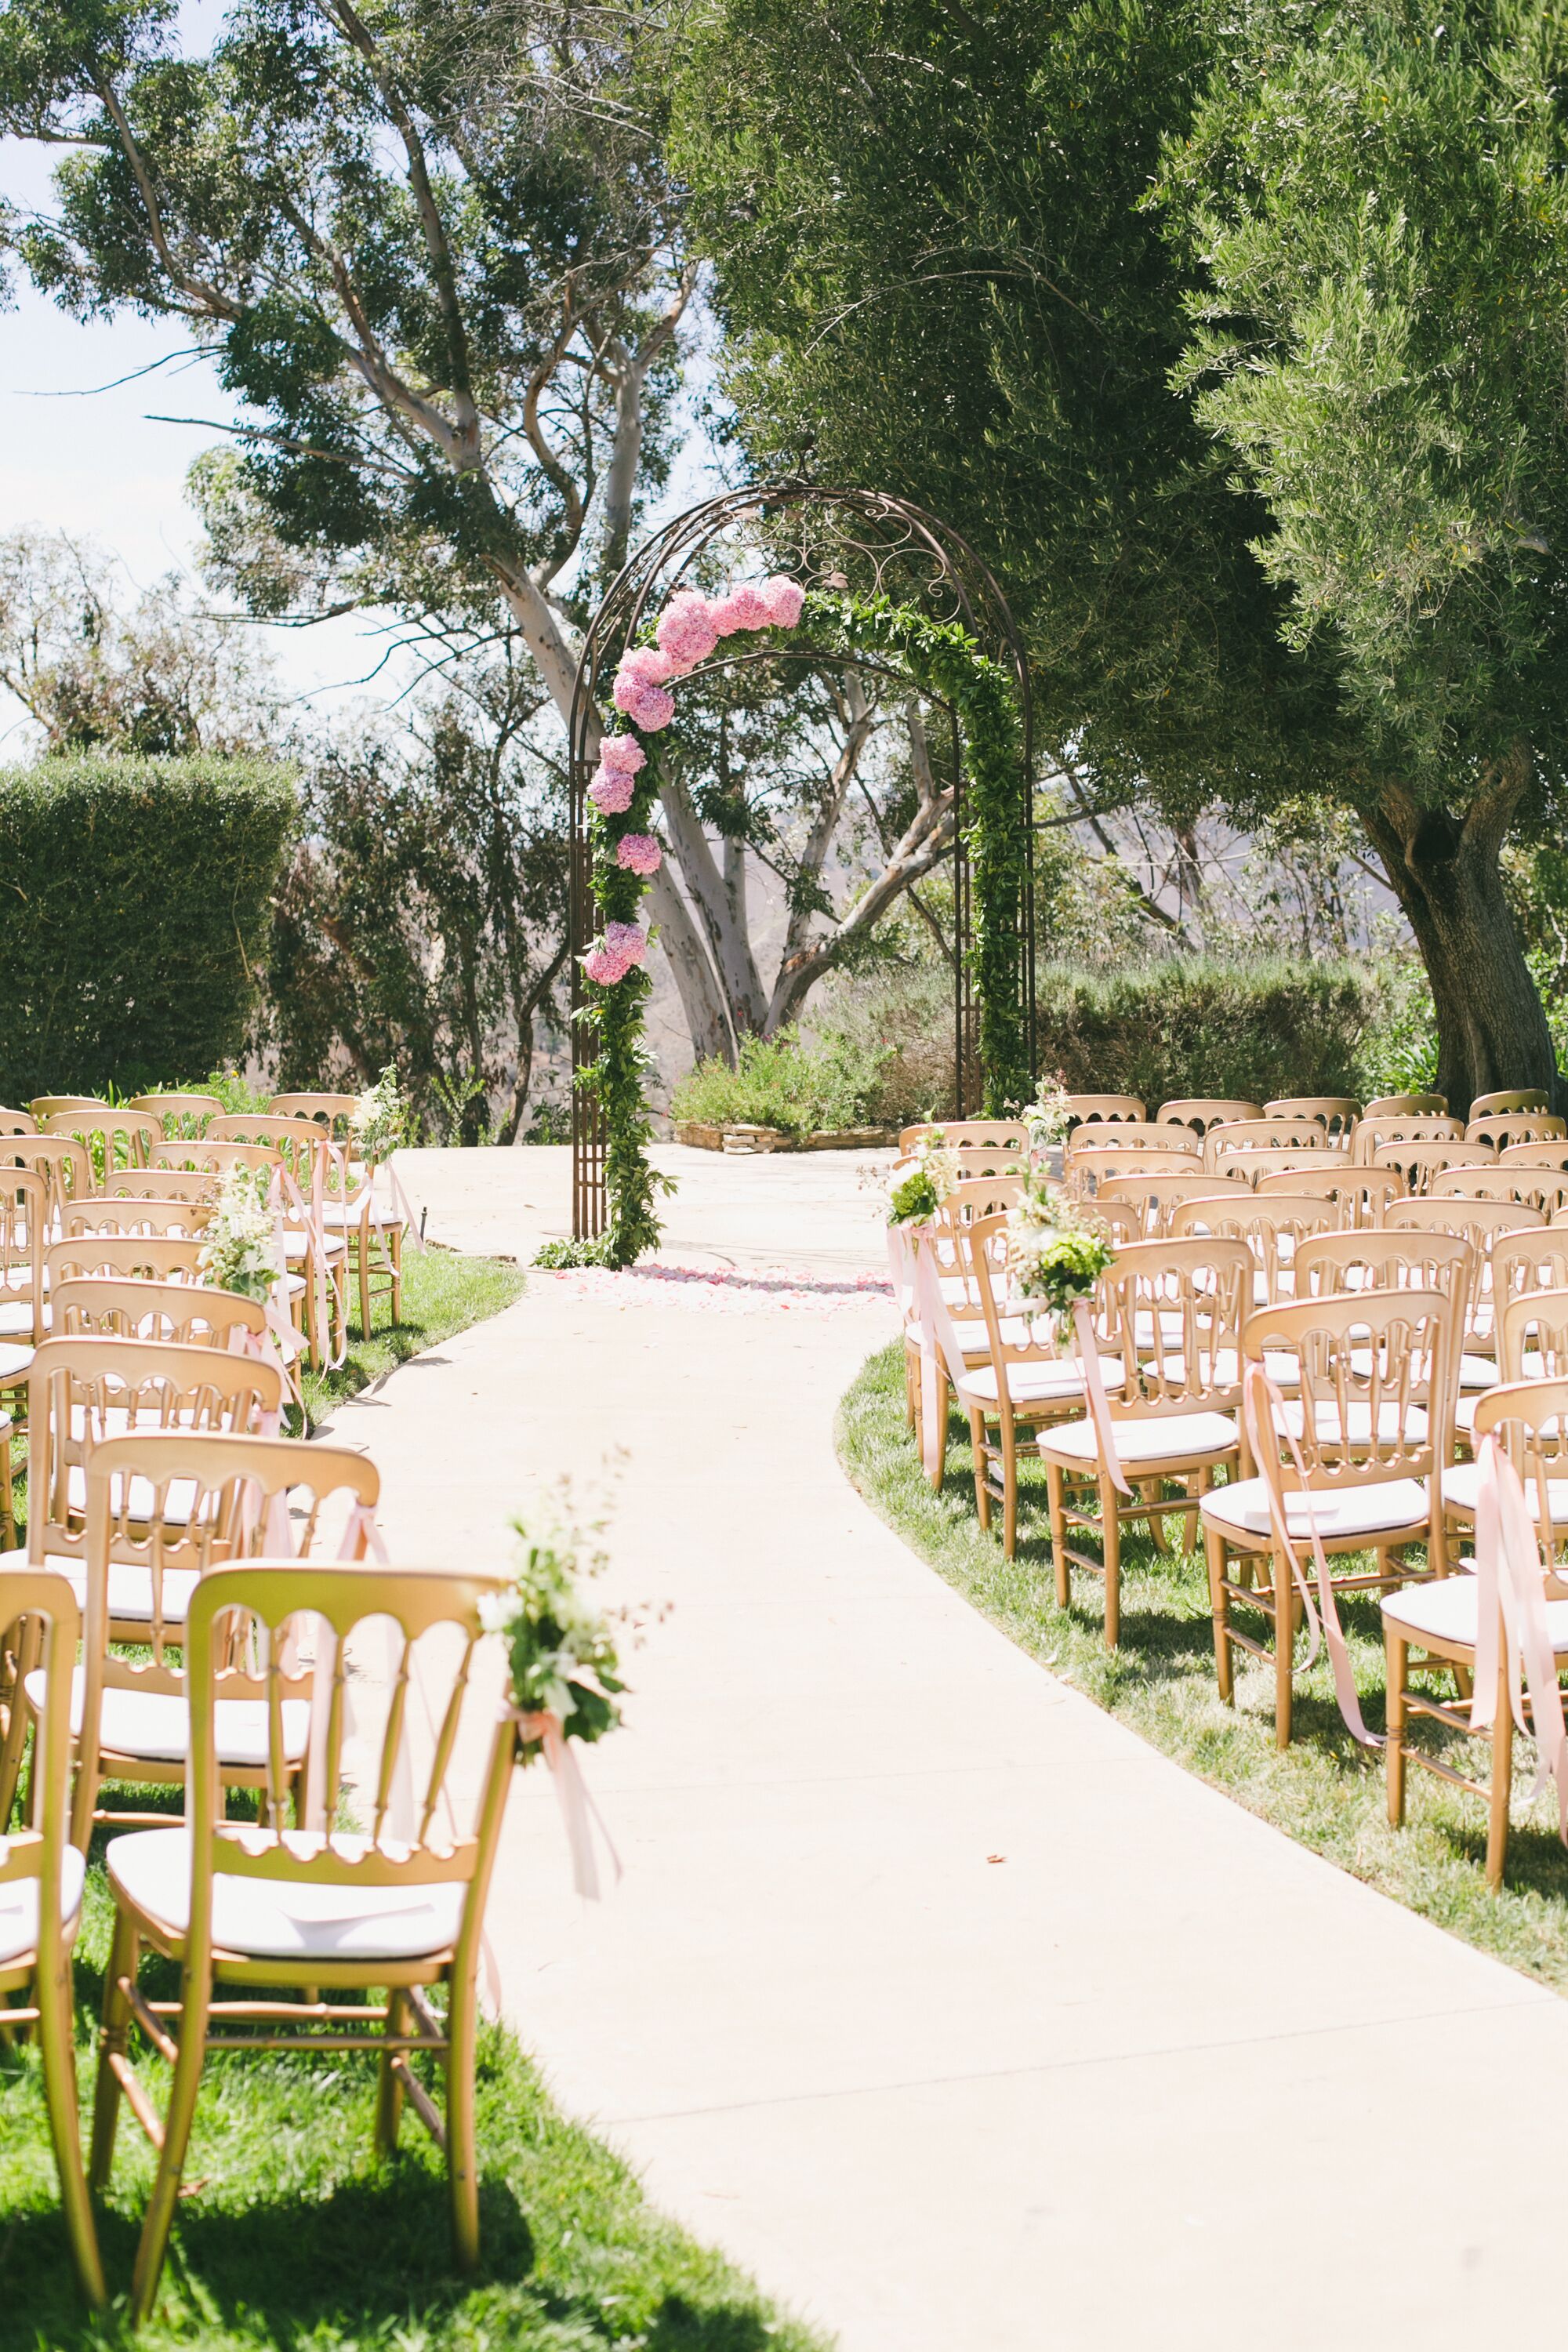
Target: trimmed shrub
1195 1027
137 902
778 1082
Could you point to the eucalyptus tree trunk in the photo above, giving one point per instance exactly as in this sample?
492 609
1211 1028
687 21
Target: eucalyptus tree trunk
1445 872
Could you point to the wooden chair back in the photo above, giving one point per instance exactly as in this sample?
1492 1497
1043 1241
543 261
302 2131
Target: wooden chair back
1104 1111
17 1122
1153 1193
127 1213
1482 1222
1200 1112
1173 1311
1503 1129
1406 1106
982 1196
1533 1337
1374 1129
62 1163
1379 1374
1530 1420
1128 1135
162 1185
179 1112
1420 1161
23 1228
1528 1098
333 1112
47 1105
82 1391
114 1139
299 1143
1353 1264
1011 1341
182 1500
1533 1155
1362 1195
1338 1113
209 1156
1525 1263
1246 1134
1272 1225
1545 1189
137 1257
1253 1166
1084 1171
122 1307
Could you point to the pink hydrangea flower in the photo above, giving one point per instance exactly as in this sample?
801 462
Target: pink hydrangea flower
628 939
648 664
647 707
622 755
603 967
686 629
639 853
611 792
784 598
743 608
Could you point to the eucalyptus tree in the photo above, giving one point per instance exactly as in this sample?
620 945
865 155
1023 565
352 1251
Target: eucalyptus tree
1234 338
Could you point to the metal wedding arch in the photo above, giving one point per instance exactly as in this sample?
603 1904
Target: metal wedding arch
861 541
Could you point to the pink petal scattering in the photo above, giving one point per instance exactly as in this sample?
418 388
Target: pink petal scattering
647 663
727 1290
639 853
611 790
623 755
743 608
686 629
785 599
628 940
647 707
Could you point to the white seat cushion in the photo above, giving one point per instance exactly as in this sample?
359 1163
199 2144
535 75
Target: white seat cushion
1050 1379
16 1318
15 1364
296 1244
1364 1510
1445 1609
19 1905
130 1587
1281 1367
277 1919
1161 1437
156 1725
1462 1484
1357 1426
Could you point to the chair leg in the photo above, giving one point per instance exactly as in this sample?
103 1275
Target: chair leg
1502 1777
462 2162
1055 1504
395 1252
7 1497
1284 1648
1219 1607
1110 1552
389 2086
362 1254
1009 1485
29 1650
981 1491
113 2043
1397 1657
55 2048
177 2125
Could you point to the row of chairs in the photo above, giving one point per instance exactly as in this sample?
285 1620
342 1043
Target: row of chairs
159 1632
1338 1113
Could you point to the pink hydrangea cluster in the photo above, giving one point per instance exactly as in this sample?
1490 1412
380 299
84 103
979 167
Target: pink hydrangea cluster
646 706
610 958
611 792
623 755
686 629
639 853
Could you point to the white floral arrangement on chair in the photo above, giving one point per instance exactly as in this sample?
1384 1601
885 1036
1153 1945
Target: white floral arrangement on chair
379 1119
1055 1255
561 1651
239 1246
1047 1117
917 1191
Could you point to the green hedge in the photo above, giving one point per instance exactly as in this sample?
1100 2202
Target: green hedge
135 901
1193 1028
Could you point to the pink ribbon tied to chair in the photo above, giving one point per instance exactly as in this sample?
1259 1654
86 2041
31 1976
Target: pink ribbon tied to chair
1511 1609
578 1811
1263 1411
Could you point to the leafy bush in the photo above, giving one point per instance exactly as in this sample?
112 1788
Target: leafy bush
138 901
1399 1052
1191 1026
902 1020
778 1082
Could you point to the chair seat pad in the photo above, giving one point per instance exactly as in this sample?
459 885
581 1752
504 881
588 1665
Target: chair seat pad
1161 1437
1356 1428
19 1906
130 1587
1462 1484
14 1363
1044 1382
1446 1609
156 1725
16 1319
275 1919
296 1244
1365 1510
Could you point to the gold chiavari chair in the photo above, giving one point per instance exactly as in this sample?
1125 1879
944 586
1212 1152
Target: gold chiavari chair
41 1881
1375 1127
1362 1195
1338 1113
137 1257
1173 1314
335 1112
1545 1189
975 1197
111 1138
162 1185
1504 1129
1370 1453
318 1262
1534 1155
127 1213
1272 1225
50 1106
1200 1112
1441 1622
240 1910
1152 1195
17 1122
184 1314
1087 1166
1406 1106
1526 1098
60 1161
1104 1111
200 1501
1242 1137
179 1112
1420 1161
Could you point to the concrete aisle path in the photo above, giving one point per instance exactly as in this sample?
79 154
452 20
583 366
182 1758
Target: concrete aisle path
931 1993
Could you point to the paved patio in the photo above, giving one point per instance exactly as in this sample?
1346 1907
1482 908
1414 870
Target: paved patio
963 2018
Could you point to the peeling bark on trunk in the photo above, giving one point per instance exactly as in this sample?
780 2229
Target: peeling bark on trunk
1445 871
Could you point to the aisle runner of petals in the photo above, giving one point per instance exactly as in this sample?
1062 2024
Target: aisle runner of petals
724 1290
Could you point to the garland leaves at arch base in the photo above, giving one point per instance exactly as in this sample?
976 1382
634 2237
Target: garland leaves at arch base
943 662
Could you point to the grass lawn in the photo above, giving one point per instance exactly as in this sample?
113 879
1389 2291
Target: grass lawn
1324 1790
294 2236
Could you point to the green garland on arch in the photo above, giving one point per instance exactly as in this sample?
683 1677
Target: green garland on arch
943 661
